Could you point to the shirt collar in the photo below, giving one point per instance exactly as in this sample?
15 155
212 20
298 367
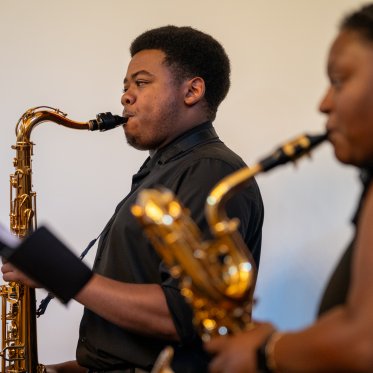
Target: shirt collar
202 133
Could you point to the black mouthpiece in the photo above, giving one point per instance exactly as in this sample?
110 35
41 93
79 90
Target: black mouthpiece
106 121
292 150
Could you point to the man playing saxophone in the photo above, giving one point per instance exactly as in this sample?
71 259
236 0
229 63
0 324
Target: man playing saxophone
174 84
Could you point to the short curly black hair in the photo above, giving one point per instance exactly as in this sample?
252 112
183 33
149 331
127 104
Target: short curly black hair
360 21
191 53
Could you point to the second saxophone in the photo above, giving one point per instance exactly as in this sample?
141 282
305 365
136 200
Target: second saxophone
217 277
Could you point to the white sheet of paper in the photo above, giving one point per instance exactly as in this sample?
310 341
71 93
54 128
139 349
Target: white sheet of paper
7 238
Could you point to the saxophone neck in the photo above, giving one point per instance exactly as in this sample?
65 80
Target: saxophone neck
288 152
34 116
225 189
292 150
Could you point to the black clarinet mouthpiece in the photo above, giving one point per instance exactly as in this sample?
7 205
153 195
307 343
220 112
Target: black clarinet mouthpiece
106 121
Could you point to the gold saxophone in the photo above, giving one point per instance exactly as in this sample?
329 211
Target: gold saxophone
19 340
217 277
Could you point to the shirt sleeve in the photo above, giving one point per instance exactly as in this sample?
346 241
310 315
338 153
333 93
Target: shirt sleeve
197 182
192 188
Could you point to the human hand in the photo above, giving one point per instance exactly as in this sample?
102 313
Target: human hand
237 353
66 367
51 369
11 273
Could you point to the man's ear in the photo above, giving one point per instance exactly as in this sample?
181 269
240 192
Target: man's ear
195 91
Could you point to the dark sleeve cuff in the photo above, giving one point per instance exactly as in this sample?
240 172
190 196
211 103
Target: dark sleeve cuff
181 312
44 258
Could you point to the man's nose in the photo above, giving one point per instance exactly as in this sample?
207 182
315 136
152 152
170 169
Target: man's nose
127 99
326 103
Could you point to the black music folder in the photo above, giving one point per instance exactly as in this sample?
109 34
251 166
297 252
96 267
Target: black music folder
46 259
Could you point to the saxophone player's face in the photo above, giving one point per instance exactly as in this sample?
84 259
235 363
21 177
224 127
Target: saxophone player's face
152 101
349 99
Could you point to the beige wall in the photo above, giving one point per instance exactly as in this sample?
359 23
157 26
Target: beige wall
72 54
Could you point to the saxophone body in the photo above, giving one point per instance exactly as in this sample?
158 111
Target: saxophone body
19 335
217 277
218 282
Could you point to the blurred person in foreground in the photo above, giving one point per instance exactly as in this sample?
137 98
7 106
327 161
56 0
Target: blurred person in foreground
341 339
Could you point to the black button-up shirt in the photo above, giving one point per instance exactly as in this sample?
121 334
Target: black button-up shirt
190 166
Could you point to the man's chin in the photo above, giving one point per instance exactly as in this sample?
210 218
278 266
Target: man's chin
347 158
134 143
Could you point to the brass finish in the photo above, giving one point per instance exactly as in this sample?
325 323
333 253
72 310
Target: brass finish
216 277
217 280
19 339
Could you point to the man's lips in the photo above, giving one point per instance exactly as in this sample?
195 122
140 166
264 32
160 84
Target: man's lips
333 136
127 114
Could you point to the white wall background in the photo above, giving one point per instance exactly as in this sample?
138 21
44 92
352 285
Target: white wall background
72 54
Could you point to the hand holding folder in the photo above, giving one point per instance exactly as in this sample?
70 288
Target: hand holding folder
45 259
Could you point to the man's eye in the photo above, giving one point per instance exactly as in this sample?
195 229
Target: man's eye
337 80
140 83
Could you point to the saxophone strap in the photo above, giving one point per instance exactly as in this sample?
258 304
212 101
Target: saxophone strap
59 270
45 301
